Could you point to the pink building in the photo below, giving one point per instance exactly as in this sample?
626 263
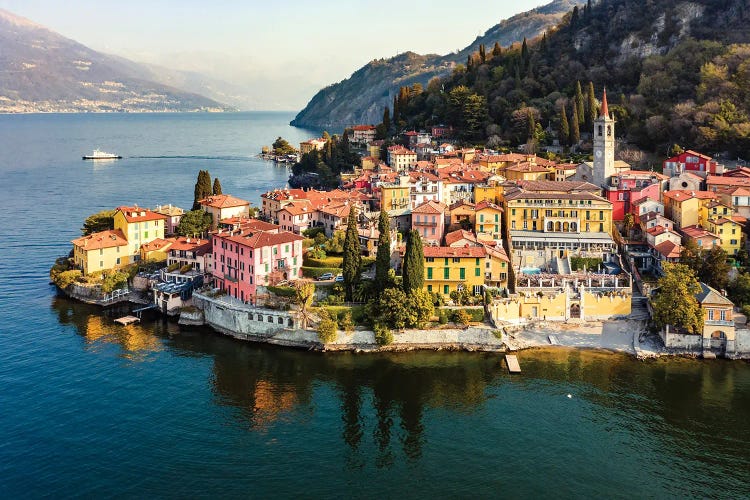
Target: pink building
429 220
690 161
245 260
630 186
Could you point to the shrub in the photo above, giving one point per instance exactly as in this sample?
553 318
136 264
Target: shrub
315 253
461 317
324 261
442 317
746 312
383 334
66 278
173 267
327 328
578 263
113 281
346 323
282 291
313 232
186 268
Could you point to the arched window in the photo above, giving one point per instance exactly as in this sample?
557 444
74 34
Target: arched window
550 226
600 130
573 227
609 130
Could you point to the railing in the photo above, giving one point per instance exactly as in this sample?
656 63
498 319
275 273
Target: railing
115 295
231 278
718 322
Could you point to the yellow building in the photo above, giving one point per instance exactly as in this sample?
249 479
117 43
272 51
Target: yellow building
447 268
718 322
496 266
101 251
491 191
529 171
139 226
397 195
488 219
570 222
728 231
684 207
462 211
156 250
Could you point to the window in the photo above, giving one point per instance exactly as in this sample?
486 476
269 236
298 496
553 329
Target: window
462 273
447 273
446 289
588 215
513 211
711 314
145 235
429 288
101 251
723 316
548 213
429 273
430 259
481 217
477 271
601 214
601 228
275 250
525 225
118 261
456 259
512 224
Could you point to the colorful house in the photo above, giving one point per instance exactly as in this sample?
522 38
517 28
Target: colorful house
224 206
627 187
101 251
691 161
194 252
243 261
488 219
139 226
450 269
173 215
462 211
728 231
156 250
703 239
683 207
428 219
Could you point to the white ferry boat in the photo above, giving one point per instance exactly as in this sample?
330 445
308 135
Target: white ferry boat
101 155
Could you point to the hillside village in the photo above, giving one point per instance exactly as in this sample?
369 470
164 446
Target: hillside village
529 239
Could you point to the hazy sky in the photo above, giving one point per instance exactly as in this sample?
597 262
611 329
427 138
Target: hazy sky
286 50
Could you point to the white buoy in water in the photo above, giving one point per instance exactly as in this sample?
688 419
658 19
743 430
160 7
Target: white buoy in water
570 396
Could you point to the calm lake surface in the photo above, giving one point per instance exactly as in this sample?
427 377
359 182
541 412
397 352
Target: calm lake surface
88 408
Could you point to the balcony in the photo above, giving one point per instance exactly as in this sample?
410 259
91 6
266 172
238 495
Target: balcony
231 278
562 225
718 322
425 223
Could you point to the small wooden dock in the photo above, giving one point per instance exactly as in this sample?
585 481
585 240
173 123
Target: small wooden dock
512 361
127 320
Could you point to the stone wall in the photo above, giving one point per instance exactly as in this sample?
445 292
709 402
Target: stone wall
681 341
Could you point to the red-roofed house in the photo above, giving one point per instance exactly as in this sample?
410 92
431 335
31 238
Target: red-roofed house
691 161
461 238
659 234
139 226
297 216
224 206
195 252
629 186
363 134
428 219
400 158
243 261
101 251
449 269
703 239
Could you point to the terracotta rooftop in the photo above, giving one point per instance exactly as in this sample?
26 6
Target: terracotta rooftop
682 195
103 239
223 201
668 249
459 235
430 207
138 214
557 186
157 244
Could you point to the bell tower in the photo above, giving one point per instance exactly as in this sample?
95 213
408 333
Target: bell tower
604 145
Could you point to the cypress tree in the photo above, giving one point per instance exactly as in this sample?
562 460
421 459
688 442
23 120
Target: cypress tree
387 119
482 53
524 52
202 188
592 107
352 255
564 131
413 270
531 127
579 104
497 50
575 132
217 186
396 110
383 259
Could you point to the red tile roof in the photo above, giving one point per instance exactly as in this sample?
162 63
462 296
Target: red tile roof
682 195
157 244
459 235
138 214
223 201
103 239
430 207
669 249
260 239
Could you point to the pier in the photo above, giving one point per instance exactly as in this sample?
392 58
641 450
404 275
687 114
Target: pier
512 361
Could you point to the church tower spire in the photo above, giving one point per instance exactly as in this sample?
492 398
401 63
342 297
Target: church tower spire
604 145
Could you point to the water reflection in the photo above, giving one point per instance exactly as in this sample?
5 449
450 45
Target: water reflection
383 404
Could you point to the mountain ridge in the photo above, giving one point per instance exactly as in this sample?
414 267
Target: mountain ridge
362 97
43 71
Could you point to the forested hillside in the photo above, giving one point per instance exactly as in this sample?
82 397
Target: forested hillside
675 72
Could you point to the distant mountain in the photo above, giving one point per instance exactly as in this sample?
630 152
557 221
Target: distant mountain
42 71
362 97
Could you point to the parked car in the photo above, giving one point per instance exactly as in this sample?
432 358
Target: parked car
339 278
325 276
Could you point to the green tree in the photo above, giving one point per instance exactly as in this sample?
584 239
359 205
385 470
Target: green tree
497 51
564 130
383 258
578 100
392 309
675 150
282 147
327 328
100 221
575 132
386 119
715 269
628 222
413 269
383 334
592 108
675 303
482 53
692 256
203 188
739 289
304 293
335 244
421 307
193 223
217 186
352 255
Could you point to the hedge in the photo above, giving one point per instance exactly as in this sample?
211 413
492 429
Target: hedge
358 313
327 262
477 314
591 263
315 272
282 291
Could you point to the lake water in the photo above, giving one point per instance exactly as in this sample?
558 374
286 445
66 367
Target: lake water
88 408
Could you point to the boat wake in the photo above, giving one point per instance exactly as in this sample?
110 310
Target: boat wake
195 157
